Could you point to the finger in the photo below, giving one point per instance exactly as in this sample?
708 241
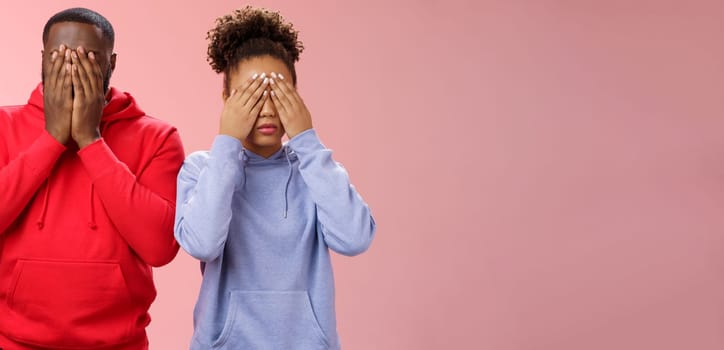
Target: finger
96 69
280 107
80 76
232 96
294 93
53 66
279 96
66 83
50 71
252 88
257 94
86 70
289 91
246 85
64 69
78 86
256 109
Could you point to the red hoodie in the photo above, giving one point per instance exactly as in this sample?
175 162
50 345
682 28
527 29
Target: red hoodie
80 230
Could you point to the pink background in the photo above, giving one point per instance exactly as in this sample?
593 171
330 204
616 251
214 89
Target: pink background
545 174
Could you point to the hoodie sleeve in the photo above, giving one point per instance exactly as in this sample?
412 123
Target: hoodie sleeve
21 177
142 208
344 219
206 186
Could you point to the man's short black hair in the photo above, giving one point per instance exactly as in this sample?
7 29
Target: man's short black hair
81 15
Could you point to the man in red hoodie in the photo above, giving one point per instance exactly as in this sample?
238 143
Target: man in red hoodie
87 191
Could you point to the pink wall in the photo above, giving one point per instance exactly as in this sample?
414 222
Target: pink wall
546 175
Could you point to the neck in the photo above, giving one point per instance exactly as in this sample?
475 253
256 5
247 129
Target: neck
263 151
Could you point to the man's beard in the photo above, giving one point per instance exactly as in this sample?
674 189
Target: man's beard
106 80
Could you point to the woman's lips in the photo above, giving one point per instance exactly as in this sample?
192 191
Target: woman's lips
267 129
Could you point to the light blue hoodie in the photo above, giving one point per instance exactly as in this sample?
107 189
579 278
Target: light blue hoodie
261 227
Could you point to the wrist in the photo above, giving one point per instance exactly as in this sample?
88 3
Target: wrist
235 132
84 141
59 136
235 135
294 132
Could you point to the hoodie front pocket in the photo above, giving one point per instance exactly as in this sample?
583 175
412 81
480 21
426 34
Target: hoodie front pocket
69 303
271 320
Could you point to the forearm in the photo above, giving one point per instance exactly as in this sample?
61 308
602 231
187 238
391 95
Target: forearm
206 190
344 218
21 177
142 216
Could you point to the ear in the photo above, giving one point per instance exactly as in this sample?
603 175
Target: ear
225 92
113 61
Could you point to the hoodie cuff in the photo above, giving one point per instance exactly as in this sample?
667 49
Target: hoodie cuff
225 160
306 142
226 147
97 158
44 152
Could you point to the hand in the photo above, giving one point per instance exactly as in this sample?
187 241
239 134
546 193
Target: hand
58 94
89 98
242 107
293 114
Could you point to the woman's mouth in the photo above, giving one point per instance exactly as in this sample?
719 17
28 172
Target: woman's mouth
267 129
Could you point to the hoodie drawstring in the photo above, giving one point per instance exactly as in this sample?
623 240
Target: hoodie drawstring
289 180
41 217
245 161
92 224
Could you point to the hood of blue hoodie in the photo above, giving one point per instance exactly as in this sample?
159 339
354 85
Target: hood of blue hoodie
284 155
281 155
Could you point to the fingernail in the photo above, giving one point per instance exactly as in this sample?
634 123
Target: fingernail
281 76
274 75
265 92
62 47
80 49
266 80
233 92
91 55
271 81
75 54
263 75
253 77
273 94
54 55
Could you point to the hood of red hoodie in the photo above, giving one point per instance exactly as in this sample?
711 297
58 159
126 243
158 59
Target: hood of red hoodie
120 105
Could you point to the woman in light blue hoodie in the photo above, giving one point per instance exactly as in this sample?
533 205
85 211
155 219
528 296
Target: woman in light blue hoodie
262 215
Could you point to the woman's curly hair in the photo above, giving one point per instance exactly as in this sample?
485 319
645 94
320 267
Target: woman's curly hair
252 32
